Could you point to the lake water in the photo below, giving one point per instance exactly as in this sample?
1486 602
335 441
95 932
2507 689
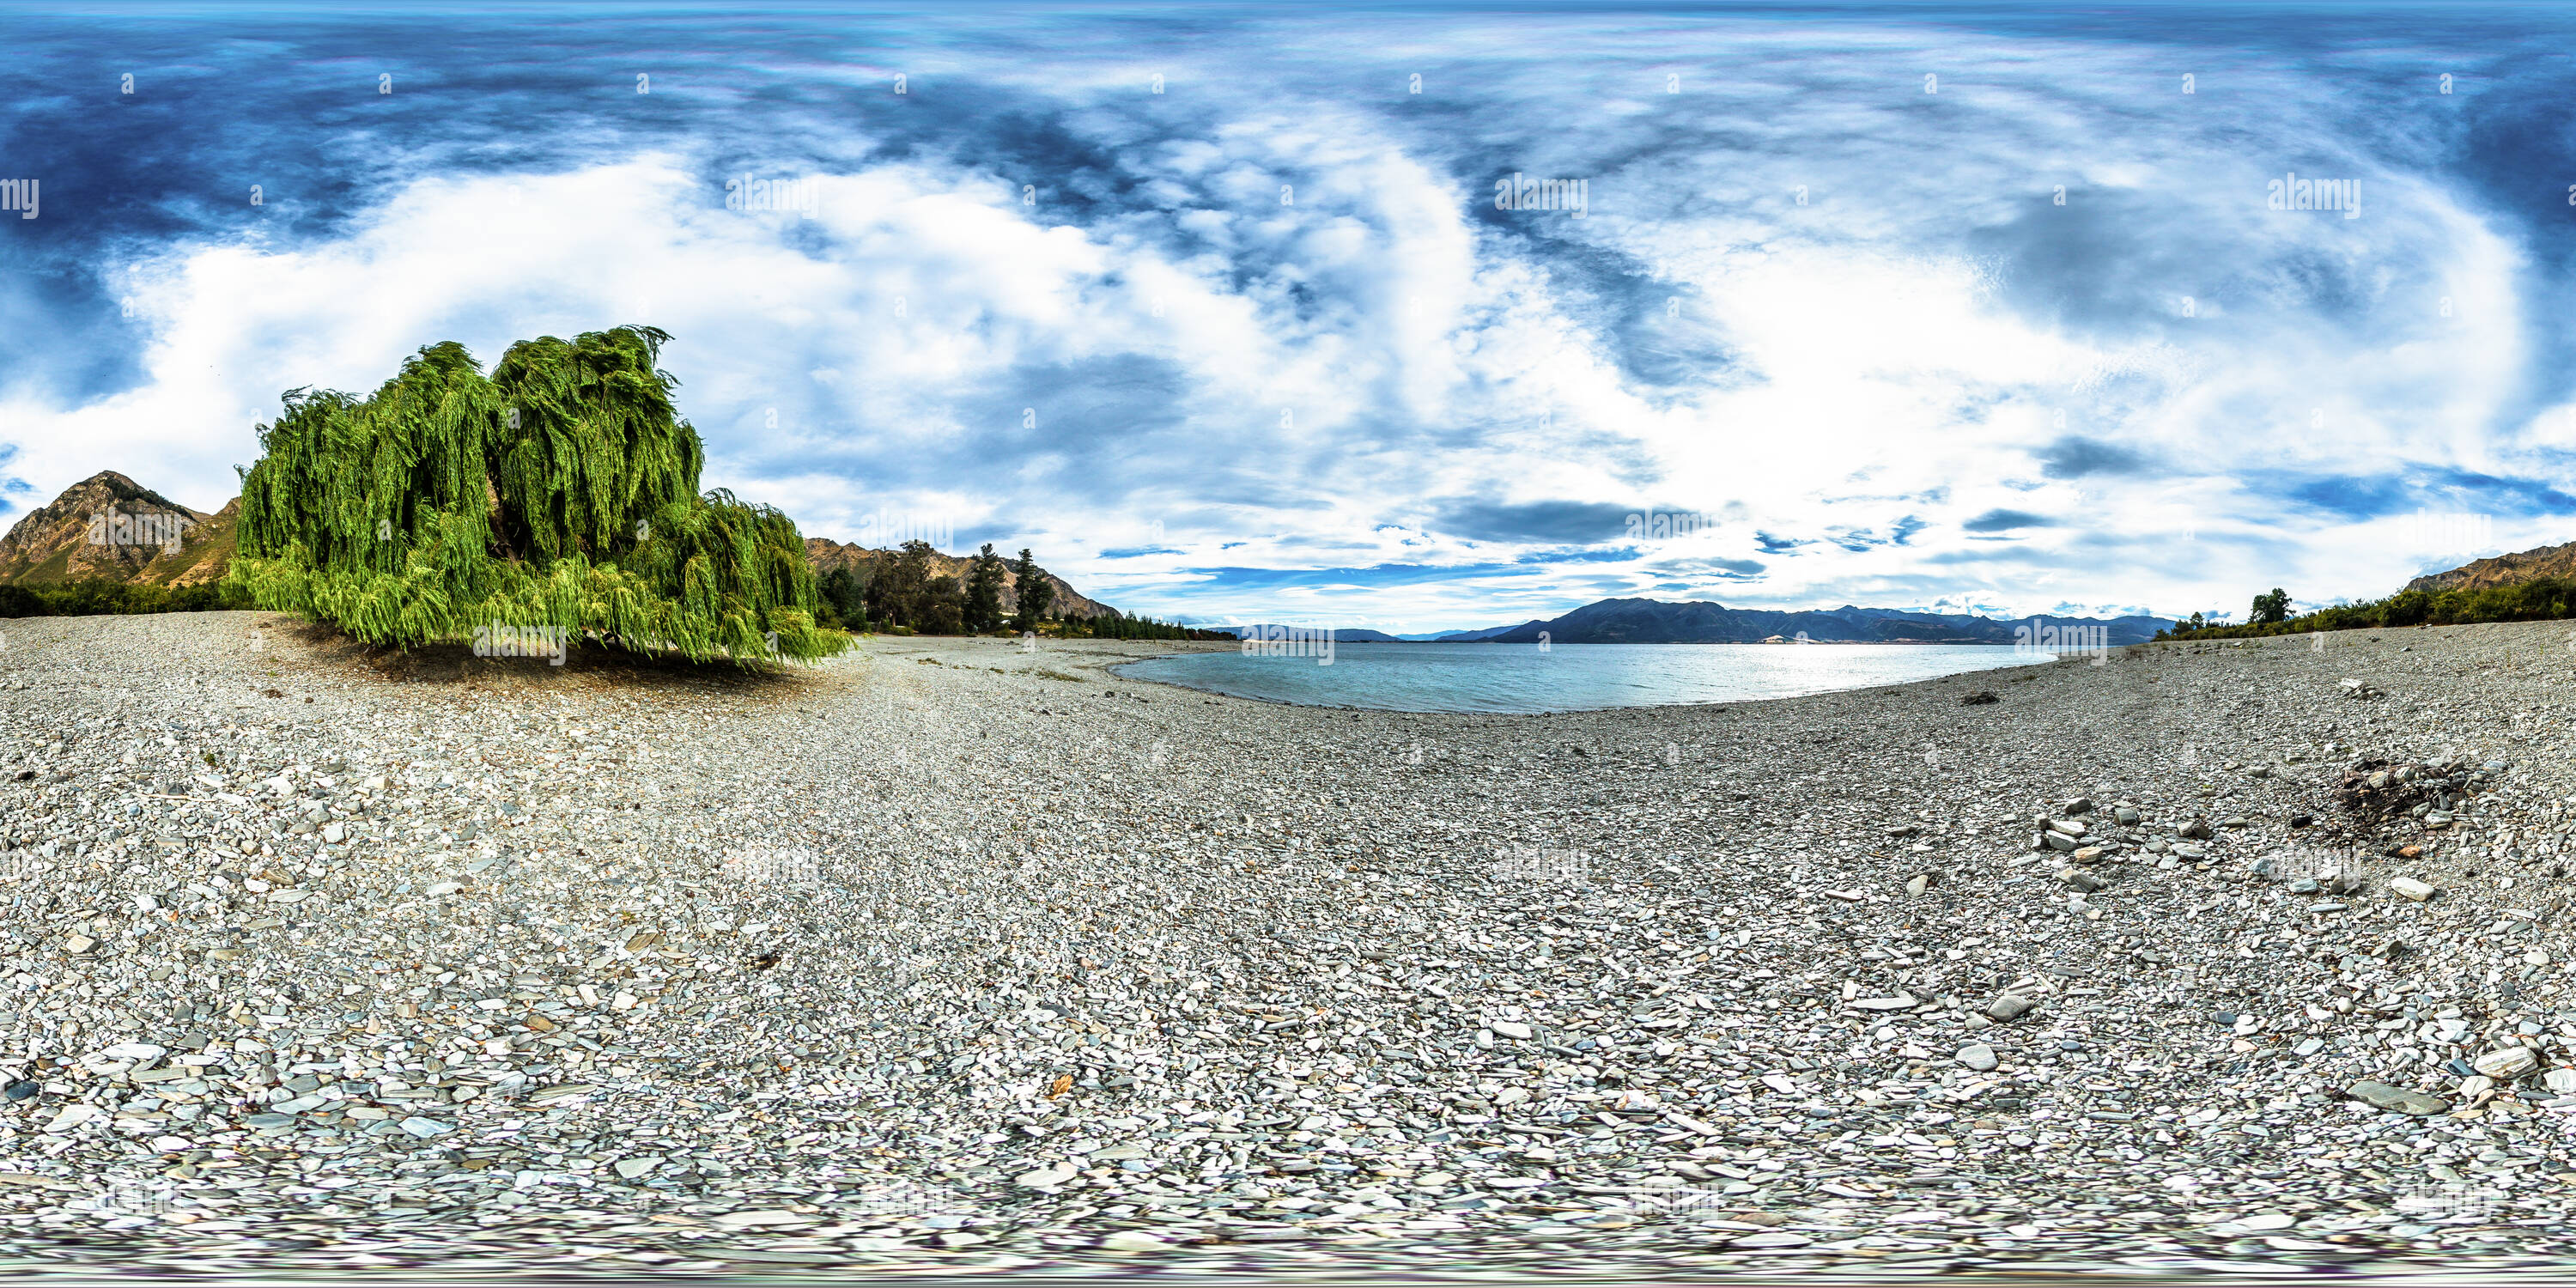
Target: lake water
1518 678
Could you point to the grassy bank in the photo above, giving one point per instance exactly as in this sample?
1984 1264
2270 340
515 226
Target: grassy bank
2544 599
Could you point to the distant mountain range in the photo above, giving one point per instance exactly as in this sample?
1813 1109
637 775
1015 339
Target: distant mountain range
1341 634
109 526
1650 621
1654 621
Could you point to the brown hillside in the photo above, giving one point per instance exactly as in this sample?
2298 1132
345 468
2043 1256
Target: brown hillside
109 526
826 554
2503 570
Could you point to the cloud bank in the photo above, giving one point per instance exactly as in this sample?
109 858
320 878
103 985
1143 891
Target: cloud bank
1228 319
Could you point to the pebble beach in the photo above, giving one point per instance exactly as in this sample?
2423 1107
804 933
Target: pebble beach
951 957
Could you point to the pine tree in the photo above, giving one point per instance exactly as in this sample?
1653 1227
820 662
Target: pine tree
559 492
1035 594
943 608
984 592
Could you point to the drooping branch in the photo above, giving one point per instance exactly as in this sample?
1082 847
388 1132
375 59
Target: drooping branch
559 492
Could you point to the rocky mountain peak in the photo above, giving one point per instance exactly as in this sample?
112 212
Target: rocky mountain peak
109 526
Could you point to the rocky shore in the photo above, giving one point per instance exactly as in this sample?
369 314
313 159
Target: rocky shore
951 957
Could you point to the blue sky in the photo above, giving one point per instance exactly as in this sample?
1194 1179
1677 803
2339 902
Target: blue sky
1955 307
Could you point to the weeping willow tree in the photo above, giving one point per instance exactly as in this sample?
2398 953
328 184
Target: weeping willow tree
560 492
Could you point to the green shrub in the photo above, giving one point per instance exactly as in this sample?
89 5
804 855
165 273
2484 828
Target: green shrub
2541 599
102 597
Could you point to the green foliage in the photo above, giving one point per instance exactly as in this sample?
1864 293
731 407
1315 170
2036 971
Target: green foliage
2274 607
1036 593
101 597
901 597
899 593
561 491
2541 599
984 592
844 599
1114 625
943 608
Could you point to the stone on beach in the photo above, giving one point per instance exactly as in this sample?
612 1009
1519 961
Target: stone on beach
817 968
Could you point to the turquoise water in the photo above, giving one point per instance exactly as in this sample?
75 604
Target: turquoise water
1519 678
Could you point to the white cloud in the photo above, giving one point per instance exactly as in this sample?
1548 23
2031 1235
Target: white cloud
1307 389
